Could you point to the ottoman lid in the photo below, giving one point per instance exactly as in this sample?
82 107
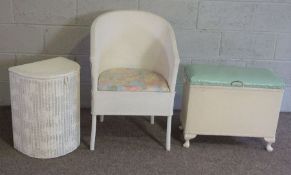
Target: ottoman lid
221 75
50 68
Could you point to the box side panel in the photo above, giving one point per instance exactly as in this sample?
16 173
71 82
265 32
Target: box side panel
233 111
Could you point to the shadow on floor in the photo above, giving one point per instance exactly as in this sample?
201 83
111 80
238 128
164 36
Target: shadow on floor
6 125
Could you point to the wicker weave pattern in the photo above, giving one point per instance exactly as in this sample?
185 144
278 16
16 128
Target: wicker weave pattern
46 114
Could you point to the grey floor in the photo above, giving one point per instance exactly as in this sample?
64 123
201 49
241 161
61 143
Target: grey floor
130 145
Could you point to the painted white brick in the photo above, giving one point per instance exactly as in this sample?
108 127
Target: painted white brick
67 40
180 74
4 94
30 58
27 58
248 45
6 15
6 61
45 12
85 95
279 1
21 38
230 62
280 68
178 96
283 48
225 15
85 74
201 61
179 84
88 10
273 17
242 48
286 103
180 13
193 44
183 62
84 62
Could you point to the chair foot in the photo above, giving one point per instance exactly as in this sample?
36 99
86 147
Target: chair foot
93 133
168 137
187 138
152 120
101 118
269 147
187 144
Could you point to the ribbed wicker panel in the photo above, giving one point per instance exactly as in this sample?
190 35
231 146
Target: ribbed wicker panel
45 114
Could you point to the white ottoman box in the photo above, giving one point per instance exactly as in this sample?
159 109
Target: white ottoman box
230 101
45 102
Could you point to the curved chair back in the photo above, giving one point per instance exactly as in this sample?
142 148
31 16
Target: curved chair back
132 39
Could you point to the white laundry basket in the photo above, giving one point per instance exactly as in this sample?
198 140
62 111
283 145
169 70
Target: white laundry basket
45 102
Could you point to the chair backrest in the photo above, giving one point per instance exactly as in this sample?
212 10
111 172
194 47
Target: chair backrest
132 39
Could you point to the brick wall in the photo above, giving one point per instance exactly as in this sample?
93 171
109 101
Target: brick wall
256 33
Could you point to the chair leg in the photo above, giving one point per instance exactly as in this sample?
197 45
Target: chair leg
101 118
93 133
168 138
152 119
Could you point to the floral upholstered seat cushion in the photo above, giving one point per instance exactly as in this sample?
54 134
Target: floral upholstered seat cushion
130 79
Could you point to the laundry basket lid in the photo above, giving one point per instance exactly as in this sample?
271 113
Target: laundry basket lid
50 68
221 75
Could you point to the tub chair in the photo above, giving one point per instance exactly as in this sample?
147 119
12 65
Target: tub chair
134 65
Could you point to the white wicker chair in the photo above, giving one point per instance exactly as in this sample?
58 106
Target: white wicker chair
137 40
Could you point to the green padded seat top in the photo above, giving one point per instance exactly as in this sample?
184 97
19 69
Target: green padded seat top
221 75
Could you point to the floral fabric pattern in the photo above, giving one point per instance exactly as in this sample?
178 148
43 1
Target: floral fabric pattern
130 79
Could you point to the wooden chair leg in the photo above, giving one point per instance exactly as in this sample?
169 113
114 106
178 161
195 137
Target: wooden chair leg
101 118
168 137
93 132
152 120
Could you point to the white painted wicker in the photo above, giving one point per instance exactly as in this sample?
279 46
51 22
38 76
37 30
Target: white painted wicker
133 39
45 107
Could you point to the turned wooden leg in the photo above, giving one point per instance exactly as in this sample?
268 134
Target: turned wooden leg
93 133
270 141
187 138
152 120
168 137
101 118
